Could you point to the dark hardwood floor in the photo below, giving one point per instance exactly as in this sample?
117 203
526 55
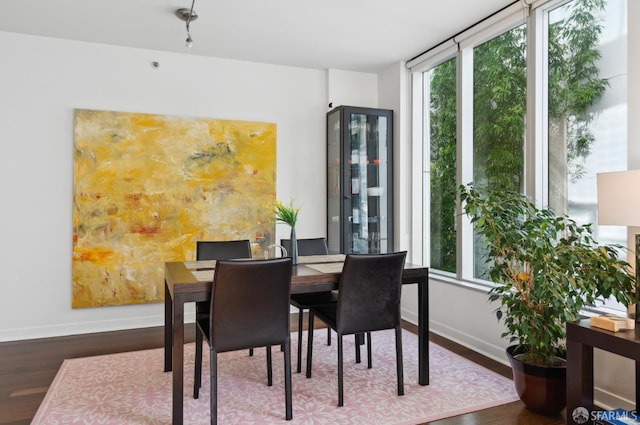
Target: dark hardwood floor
27 368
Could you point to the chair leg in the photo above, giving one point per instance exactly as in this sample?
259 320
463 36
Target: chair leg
197 378
269 368
357 344
213 361
340 372
328 335
250 352
299 366
287 381
369 362
399 364
310 344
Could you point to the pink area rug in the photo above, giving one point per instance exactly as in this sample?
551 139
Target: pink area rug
131 388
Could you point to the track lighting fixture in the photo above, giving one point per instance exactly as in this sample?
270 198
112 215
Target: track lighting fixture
187 15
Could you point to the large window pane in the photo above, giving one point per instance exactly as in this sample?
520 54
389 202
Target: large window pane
587 85
587 108
499 73
441 86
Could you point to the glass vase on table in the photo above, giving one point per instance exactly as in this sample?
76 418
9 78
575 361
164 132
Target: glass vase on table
294 246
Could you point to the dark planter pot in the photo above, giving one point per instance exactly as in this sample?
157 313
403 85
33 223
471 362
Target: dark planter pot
541 389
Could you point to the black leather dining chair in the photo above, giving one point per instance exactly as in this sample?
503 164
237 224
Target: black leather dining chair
223 250
265 285
368 300
310 246
219 250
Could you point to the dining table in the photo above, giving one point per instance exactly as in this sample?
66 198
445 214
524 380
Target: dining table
191 281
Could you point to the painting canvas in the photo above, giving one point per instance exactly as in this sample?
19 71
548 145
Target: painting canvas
147 187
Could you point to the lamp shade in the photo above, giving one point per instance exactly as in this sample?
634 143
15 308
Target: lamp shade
618 200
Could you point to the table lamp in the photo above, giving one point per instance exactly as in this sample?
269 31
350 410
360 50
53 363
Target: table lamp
618 206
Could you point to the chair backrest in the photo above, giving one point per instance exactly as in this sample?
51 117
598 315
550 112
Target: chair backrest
311 246
250 304
369 295
223 250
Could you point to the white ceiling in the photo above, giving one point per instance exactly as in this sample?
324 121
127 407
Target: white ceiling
356 35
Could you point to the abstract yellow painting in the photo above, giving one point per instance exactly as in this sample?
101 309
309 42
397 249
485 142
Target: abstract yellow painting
147 187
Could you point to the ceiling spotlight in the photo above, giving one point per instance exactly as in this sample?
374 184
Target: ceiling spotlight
187 15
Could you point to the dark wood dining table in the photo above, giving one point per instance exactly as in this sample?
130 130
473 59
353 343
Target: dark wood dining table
190 281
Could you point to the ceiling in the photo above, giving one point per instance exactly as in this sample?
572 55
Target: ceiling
356 35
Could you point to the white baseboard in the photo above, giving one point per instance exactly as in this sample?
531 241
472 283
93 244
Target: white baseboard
608 400
78 328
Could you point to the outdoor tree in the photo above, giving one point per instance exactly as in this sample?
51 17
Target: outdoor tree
499 106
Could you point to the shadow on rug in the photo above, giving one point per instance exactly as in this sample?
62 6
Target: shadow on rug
131 388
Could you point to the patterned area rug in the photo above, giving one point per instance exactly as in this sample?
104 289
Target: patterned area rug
131 388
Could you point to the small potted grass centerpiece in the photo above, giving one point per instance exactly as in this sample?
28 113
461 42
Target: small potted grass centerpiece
288 214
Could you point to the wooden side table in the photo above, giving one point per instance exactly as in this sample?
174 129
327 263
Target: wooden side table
581 339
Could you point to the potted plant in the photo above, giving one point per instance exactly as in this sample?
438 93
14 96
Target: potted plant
545 268
288 214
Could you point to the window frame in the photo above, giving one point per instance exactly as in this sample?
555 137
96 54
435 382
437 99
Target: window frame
461 46
536 169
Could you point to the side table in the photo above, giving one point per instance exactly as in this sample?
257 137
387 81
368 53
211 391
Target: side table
581 339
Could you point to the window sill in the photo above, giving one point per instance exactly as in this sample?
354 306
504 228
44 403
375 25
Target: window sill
484 286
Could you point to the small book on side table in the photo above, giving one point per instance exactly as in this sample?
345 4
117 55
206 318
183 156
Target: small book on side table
612 323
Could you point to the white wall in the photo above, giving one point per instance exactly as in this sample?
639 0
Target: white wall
43 80
351 89
392 83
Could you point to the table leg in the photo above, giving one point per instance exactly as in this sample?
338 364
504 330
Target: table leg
423 331
168 339
579 378
178 359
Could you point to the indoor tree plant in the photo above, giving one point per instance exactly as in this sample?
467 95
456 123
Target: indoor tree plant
545 268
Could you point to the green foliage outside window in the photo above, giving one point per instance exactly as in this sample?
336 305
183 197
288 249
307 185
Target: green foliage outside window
499 114
443 166
499 106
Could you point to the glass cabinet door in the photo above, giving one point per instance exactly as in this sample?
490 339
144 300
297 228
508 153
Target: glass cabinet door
334 186
359 180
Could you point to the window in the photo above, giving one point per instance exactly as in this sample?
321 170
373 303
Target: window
587 108
440 85
587 113
540 108
499 105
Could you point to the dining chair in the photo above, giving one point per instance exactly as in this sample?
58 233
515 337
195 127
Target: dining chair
310 246
265 285
368 300
223 250
219 250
